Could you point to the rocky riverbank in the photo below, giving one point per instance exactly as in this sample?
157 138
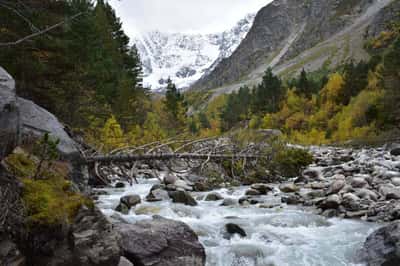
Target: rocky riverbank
345 183
352 183
356 184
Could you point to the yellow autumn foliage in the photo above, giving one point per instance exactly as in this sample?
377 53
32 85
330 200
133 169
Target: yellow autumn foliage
112 135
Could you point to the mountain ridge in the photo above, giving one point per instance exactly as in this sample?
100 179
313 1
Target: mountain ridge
289 35
186 57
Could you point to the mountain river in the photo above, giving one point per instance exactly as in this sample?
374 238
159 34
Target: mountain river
281 235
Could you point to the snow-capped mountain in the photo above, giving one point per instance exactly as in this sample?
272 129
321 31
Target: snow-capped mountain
186 57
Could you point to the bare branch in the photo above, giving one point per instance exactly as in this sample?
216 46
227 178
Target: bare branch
31 25
36 34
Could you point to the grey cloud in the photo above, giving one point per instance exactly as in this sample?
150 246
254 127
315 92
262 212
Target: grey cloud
183 15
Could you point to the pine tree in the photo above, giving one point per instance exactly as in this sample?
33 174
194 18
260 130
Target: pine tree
303 85
355 80
175 106
268 94
203 119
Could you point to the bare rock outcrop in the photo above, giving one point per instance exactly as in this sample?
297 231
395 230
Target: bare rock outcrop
21 119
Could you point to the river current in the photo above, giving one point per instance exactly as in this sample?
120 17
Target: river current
281 235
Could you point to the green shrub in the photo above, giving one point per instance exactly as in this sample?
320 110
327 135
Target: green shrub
289 162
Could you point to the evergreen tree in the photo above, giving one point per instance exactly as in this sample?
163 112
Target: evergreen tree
203 119
175 105
268 94
355 80
303 85
229 115
85 68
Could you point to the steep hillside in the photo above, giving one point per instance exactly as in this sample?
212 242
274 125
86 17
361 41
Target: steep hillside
289 35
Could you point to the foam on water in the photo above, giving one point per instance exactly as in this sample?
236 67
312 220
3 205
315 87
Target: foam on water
281 236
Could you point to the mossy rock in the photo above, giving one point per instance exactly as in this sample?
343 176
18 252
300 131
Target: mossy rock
20 164
51 201
48 199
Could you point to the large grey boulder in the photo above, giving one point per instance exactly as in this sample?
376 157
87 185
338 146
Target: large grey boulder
36 121
182 197
383 246
161 242
8 114
90 241
130 200
22 119
95 240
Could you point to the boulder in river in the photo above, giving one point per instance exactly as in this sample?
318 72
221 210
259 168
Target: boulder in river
130 200
252 192
119 185
291 199
395 151
262 188
169 179
213 196
228 202
182 197
122 208
157 195
232 229
383 246
161 242
289 188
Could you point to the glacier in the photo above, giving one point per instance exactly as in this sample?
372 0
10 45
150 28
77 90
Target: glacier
185 58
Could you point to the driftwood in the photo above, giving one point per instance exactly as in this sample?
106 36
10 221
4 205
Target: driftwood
178 156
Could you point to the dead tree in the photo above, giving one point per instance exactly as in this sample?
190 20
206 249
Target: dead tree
178 156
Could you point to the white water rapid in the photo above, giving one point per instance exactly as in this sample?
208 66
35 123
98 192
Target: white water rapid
283 235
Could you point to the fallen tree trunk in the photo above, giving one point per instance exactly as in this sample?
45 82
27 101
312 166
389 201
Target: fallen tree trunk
165 157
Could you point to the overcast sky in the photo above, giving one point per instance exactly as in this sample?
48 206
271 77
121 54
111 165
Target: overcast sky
186 16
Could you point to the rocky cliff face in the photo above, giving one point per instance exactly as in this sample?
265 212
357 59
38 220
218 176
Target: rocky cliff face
288 35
